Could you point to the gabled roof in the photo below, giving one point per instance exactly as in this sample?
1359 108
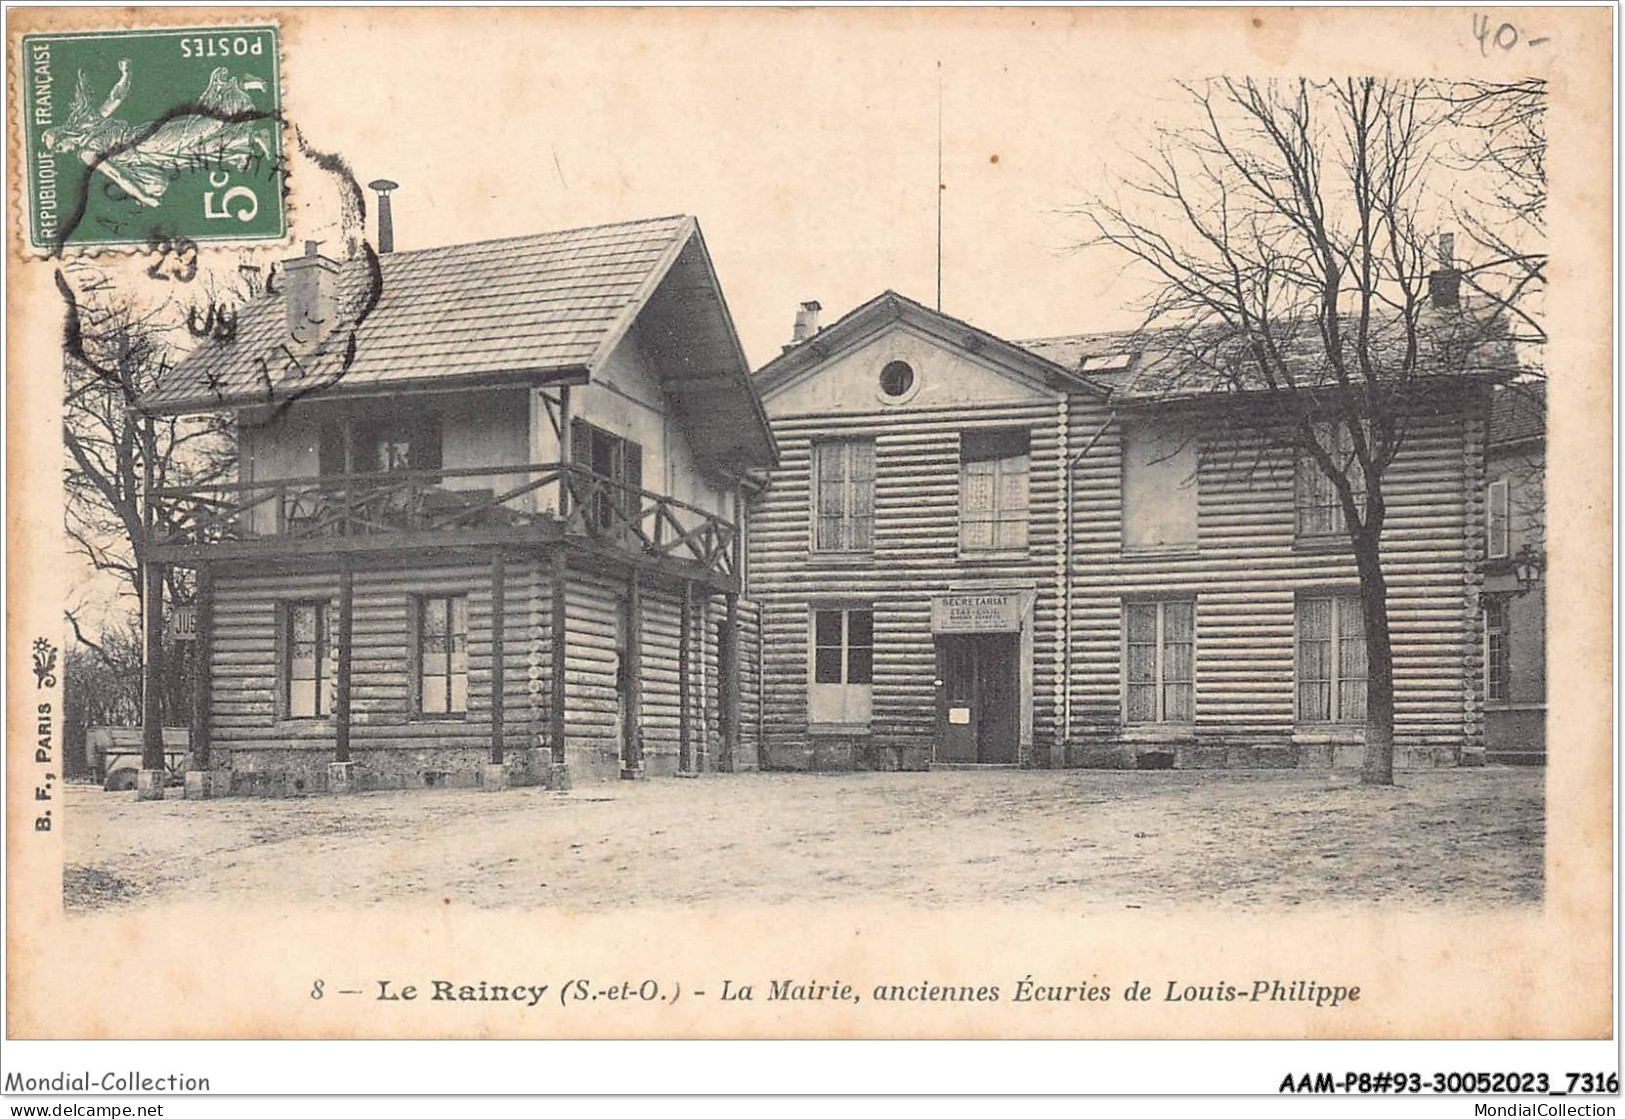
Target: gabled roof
889 307
1518 413
547 307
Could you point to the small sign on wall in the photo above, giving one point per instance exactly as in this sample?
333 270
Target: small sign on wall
181 624
959 716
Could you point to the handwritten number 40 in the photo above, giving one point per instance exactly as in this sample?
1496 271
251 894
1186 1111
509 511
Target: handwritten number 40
1504 37
218 180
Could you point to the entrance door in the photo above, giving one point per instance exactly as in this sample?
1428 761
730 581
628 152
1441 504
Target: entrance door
979 713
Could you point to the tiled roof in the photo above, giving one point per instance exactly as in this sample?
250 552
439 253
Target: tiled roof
540 304
1518 413
1170 363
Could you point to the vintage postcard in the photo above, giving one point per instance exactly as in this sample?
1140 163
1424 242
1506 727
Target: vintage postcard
819 523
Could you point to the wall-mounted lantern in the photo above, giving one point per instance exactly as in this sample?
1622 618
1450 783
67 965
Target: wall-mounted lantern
1527 566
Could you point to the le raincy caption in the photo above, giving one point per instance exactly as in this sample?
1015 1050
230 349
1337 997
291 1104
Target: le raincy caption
576 991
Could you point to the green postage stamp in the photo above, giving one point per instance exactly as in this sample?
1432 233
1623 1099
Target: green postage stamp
134 137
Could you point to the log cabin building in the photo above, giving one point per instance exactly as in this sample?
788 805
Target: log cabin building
487 524
978 552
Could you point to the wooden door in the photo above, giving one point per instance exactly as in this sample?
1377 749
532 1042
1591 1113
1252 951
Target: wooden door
998 691
956 700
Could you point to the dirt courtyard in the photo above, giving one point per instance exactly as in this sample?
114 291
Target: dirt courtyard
1097 840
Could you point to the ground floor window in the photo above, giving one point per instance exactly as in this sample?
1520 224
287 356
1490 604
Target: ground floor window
307 679
1497 648
1331 659
1159 643
842 670
442 655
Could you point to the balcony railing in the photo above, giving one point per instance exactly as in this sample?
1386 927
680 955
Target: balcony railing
555 497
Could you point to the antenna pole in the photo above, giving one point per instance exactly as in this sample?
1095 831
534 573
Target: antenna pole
941 186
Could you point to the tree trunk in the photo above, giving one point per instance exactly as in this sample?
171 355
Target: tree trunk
1378 766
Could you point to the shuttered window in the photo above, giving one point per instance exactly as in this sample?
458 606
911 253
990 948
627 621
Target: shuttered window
1497 648
307 675
1498 520
1159 488
1320 509
615 459
1331 660
844 481
1160 643
993 468
442 655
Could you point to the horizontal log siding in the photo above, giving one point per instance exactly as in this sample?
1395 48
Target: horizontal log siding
916 554
246 675
750 684
1248 569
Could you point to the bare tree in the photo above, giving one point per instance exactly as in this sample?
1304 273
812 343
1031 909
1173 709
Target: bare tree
114 351
1285 232
1499 145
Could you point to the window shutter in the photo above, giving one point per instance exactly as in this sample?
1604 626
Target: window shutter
634 465
1498 519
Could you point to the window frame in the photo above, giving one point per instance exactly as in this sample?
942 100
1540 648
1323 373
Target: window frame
1160 682
1191 483
1308 474
1497 607
416 604
1339 603
325 678
849 484
999 516
625 470
849 688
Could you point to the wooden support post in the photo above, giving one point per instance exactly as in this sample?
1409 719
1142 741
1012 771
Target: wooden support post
560 574
498 609
728 684
341 684
685 683
632 679
202 656
152 665
565 454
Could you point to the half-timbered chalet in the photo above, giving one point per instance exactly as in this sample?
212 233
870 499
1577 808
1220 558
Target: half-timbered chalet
981 552
487 524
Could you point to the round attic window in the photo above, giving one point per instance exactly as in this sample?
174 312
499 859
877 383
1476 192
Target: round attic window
897 382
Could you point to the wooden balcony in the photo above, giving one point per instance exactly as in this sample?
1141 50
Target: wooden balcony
445 510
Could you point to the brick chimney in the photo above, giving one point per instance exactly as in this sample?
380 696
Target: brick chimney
1444 282
386 218
806 322
311 288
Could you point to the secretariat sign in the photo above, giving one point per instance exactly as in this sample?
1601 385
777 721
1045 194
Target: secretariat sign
977 612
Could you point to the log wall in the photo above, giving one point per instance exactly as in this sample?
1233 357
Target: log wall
1248 569
392 746
916 555
1245 574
